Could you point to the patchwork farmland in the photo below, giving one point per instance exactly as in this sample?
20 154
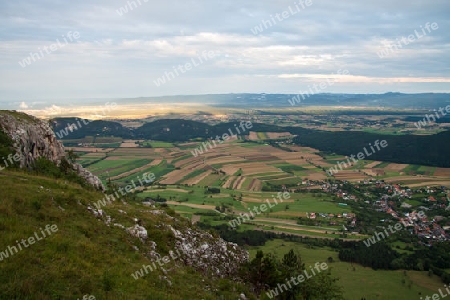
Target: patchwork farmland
247 173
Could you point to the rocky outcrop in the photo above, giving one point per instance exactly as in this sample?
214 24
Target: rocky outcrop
34 138
208 254
193 247
89 177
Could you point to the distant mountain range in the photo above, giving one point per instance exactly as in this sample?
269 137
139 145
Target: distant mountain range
265 101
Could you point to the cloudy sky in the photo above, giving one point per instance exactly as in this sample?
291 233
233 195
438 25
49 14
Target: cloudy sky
120 48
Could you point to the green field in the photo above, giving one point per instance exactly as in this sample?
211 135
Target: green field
210 180
108 168
382 165
357 281
193 174
159 170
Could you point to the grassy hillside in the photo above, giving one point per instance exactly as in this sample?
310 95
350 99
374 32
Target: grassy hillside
85 256
357 281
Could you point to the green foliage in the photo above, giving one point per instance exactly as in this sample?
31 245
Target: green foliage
6 149
45 167
85 256
5 142
408 149
381 256
94 128
212 190
377 256
72 156
266 272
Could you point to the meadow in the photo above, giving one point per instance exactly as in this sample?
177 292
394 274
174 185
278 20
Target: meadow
380 284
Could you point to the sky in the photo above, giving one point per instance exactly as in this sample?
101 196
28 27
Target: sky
55 50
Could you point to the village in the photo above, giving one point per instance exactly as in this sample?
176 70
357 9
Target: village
390 199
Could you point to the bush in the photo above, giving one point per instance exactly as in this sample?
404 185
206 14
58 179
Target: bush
43 166
212 190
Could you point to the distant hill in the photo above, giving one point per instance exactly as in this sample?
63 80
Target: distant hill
80 128
173 130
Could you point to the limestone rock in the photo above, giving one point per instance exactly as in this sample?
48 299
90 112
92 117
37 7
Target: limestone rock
34 138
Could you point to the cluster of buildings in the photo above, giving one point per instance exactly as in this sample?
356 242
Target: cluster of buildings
392 202
426 228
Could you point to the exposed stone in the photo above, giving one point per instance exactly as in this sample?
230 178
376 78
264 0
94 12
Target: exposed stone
34 138
138 231
213 256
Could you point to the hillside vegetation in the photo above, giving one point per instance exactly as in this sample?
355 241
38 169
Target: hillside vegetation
88 255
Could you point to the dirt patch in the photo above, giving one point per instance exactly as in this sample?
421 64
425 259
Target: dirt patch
195 219
129 144
198 178
250 168
410 178
224 159
255 185
253 136
114 158
230 169
227 183
315 176
162 190
177 175
433 183
254 200
238 183
395 167
89 149
192 205
442 172
372 164
374 172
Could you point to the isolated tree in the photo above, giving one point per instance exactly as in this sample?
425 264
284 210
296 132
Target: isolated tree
261 272
291 266
72 156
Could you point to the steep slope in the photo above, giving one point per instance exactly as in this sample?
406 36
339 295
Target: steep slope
101 252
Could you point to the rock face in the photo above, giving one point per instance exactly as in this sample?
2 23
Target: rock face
34 138
90 178
193 247
208 254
